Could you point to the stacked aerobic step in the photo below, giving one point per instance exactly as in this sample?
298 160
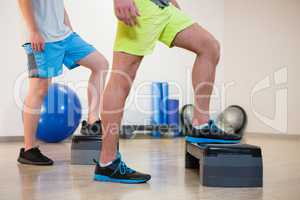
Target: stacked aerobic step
165 111
224 163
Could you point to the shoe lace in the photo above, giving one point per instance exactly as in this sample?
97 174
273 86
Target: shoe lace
124 169
39 153
37 150
214 128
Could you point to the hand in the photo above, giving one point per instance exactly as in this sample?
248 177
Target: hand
37 41
126 11
176 4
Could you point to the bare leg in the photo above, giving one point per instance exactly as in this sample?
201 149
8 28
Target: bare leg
118 87
38 88
98 66
207 49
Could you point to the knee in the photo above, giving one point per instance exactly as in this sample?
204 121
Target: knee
124 77
211 48
101 68
104 65
41 90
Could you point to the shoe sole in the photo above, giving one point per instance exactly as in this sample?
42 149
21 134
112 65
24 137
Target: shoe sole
28 162
207 140
102 178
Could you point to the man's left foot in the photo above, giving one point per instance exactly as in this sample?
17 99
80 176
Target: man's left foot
118 172
94 129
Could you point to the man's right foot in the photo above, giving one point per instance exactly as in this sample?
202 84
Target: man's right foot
118 172
33 157
211 133
94 129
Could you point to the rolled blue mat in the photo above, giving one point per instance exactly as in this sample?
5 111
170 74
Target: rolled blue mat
173 115
156 106
164 102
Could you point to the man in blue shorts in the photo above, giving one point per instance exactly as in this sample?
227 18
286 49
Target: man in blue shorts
52 43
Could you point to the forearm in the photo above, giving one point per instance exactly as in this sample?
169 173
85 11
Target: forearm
67 20
27 12
175 3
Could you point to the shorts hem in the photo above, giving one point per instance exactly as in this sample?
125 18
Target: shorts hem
75 63
175 33
44 76
133 52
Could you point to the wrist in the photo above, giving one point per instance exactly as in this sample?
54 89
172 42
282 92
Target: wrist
34 32
33 29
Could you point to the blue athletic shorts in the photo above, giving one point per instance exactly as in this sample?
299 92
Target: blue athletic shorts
49 63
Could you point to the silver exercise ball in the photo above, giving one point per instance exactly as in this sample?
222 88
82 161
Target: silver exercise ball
233 119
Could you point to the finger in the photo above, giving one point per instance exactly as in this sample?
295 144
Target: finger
126 21
123 18
127 17
33 45
130 19
38 46
121 15
131 22
133 16
43 46
118 14
137 12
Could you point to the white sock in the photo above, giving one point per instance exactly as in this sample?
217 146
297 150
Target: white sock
109 163
106 164
199 127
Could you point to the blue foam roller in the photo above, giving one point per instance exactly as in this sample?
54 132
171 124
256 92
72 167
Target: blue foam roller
156 104
173 115
164 102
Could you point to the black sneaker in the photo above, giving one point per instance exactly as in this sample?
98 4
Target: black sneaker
94 129
211 133
118 172
33 157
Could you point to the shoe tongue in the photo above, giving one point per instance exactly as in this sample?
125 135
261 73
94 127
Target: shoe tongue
117 160
34 150
211 122
115 163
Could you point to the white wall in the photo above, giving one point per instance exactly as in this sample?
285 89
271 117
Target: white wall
260 40
262 47
94 21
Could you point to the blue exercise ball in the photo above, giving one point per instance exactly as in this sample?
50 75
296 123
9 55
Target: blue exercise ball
60 114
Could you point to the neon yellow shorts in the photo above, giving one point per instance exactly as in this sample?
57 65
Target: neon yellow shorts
154 24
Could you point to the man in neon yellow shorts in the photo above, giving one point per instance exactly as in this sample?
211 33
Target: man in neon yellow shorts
141 24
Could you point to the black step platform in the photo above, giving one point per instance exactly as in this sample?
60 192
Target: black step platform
226 165
84 149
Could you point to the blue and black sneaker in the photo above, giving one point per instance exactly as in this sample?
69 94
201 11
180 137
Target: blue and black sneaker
212 133
118 172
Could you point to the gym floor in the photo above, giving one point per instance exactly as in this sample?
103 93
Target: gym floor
164 159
